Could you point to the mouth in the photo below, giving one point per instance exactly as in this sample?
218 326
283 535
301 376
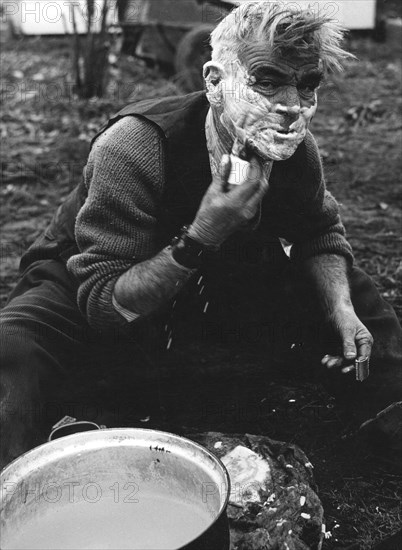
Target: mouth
285 133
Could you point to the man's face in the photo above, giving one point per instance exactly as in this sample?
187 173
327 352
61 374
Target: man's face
269 101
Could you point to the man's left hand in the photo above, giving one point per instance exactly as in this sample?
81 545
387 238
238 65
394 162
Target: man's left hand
355 339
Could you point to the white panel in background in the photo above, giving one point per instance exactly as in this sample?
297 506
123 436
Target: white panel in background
52 17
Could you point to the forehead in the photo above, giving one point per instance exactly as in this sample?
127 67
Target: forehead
259 54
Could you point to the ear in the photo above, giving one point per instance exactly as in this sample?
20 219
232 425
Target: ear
213 73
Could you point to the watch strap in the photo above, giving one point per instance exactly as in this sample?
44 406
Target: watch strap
188 252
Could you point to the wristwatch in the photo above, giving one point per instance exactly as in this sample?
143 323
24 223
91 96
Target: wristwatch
189 252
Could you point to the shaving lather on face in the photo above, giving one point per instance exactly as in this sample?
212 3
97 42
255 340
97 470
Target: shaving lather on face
263 101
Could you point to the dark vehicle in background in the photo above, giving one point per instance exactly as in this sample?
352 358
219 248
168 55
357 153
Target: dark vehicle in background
172 34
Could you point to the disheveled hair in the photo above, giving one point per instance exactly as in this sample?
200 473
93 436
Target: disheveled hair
284 28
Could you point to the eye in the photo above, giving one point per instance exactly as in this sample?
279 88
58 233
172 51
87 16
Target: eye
266 87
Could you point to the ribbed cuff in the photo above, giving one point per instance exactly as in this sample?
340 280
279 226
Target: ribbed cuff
330 243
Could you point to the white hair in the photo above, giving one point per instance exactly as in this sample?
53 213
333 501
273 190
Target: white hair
284 27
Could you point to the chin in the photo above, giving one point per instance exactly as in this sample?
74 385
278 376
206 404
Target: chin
275 152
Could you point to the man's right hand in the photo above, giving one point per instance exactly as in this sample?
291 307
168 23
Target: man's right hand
223 211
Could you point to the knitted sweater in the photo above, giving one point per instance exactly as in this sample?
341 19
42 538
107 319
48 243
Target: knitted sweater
117 226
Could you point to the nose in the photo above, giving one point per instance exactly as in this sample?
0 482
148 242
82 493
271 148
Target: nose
291 112
289 103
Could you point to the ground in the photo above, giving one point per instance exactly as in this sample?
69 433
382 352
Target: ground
46 133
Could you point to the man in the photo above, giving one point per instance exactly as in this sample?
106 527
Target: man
101 280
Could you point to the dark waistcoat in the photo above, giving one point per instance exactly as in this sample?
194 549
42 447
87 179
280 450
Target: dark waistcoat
181 123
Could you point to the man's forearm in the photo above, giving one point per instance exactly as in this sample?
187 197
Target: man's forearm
329 275
151 284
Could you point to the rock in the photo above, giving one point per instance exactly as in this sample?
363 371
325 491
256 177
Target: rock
257 540
288 514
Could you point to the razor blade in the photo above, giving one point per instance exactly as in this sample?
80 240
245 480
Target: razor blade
362 369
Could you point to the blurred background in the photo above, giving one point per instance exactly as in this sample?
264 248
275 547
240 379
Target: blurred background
68 65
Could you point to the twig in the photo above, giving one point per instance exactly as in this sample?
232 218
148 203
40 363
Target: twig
76 51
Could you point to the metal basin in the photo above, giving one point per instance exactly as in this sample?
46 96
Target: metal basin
115 488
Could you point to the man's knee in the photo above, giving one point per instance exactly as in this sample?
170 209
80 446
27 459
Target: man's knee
367 299
378 316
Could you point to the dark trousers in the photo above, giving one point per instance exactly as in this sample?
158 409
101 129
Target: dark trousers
46 342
